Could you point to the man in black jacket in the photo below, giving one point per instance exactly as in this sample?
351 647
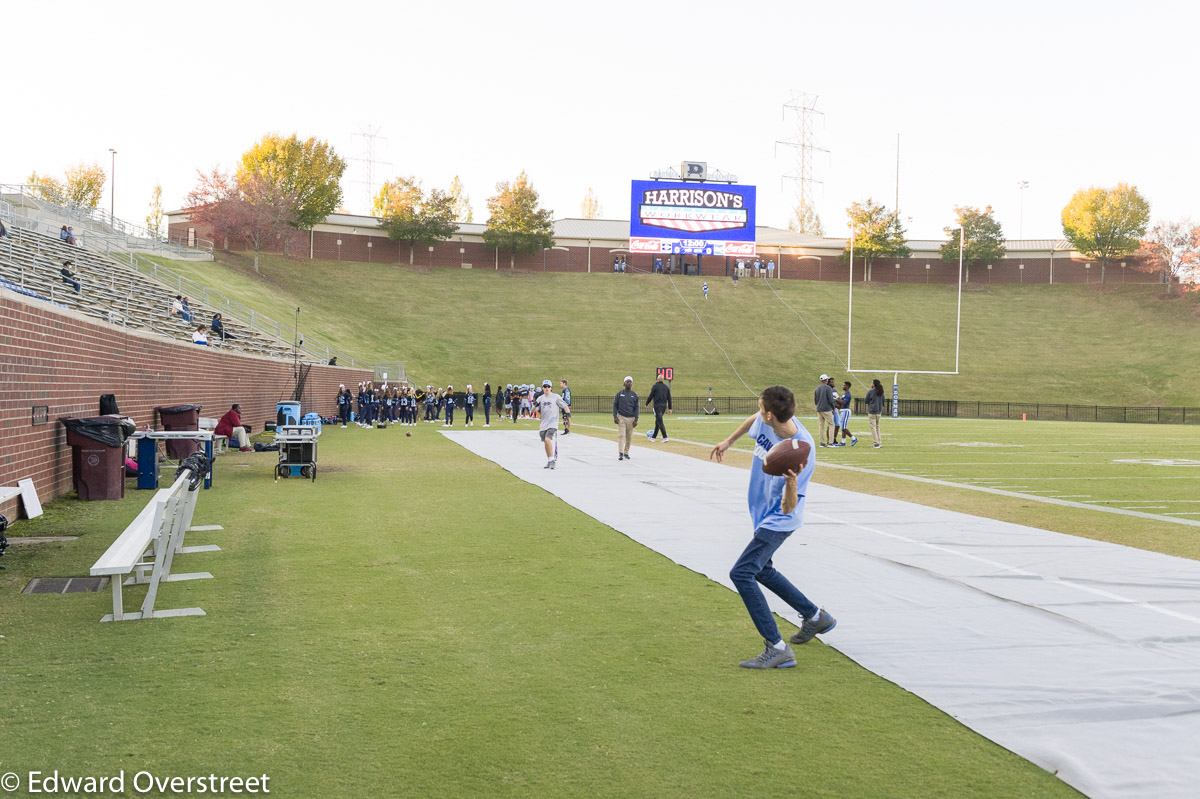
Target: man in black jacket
660 397
625 416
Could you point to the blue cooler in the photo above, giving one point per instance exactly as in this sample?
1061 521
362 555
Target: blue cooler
314 420
287 413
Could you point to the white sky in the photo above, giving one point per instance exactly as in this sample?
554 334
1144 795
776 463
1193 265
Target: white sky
1062 94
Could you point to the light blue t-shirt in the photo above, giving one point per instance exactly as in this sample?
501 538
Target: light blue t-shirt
765 496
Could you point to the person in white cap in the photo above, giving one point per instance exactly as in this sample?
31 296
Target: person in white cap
469 407
548 406
825 398
625 416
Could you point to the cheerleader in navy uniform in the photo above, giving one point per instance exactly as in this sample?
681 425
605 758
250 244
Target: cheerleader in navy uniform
369 404
448 404
430 402
469 408
487 404
362 404
344 401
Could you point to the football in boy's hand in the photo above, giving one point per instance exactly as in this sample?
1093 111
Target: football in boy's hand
787 456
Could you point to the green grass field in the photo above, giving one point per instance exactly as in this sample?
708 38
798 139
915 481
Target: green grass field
1146 468
420 622
1116 345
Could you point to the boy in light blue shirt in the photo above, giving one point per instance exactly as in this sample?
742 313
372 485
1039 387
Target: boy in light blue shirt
776 510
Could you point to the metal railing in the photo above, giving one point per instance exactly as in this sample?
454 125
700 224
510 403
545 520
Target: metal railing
169 278
111 229
245 314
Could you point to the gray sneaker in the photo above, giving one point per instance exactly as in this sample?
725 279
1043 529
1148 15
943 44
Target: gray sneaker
817 625
771 658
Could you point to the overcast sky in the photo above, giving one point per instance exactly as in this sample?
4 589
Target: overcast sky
1061 94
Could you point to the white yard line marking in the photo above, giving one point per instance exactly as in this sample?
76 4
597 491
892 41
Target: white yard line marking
1158 517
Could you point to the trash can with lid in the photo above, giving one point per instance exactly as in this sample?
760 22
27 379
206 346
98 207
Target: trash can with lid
180 417
97 456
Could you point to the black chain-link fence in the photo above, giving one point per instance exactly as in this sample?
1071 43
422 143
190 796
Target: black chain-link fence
1055 412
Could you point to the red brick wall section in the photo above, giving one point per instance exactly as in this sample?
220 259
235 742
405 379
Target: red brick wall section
790 265
53 357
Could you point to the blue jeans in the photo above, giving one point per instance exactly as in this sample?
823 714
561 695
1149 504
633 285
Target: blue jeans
754 567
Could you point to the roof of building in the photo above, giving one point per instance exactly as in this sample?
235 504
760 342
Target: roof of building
618 230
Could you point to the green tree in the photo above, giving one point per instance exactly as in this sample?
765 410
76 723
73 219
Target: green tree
982 233
154 220
877 234
591 205
48 188
462 202
806 220
411 215
1106 224
308 171
516 223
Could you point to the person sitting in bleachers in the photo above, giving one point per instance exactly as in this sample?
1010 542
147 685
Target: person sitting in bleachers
218 327
71 235
179 307
200 337
63 234
4 234
69 277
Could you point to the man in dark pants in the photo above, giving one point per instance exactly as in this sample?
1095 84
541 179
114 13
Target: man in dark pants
625 416
660 397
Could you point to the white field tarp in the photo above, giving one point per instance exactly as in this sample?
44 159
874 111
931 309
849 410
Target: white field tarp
1079 655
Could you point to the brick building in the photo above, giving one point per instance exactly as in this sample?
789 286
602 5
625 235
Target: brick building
589 245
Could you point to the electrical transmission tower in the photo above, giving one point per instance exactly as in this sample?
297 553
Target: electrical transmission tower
803 108
368 163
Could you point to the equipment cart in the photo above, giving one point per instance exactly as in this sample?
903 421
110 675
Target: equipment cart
297 451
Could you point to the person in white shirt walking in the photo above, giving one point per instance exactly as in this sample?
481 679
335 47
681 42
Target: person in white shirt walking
548 406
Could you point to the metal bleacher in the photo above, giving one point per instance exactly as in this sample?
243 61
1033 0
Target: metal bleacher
114 293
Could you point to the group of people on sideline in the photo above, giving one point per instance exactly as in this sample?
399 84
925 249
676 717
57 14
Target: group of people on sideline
834 412
381 406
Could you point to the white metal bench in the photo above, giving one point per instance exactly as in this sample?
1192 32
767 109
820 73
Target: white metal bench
220 443
147 548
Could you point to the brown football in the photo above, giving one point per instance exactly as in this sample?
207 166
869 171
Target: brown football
791 455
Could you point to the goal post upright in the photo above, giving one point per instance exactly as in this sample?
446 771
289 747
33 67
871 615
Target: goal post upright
897 372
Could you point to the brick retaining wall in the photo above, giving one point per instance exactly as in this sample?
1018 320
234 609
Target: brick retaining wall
55 357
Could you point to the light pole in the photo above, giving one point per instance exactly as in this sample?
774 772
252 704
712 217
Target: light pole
1022 185
112 184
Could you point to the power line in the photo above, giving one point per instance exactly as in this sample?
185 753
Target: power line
369 162
803 141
